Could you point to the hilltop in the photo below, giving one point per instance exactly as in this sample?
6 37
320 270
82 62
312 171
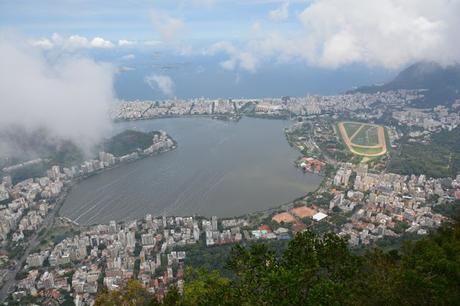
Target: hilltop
441 83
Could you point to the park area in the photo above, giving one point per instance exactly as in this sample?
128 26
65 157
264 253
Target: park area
363 139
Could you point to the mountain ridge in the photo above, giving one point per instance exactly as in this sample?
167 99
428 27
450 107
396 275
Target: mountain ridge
441 83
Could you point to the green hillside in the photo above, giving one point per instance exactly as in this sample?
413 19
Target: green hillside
440 158
128 141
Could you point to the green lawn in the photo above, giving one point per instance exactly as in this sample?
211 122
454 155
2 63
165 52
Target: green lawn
351 127
367 136
367 150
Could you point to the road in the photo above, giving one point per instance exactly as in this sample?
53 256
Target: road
10 279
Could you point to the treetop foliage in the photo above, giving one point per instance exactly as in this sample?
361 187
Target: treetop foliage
317 270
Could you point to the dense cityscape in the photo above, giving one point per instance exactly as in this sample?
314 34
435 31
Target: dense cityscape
359 200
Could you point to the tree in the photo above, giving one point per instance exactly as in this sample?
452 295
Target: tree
207 288
316 270
133 294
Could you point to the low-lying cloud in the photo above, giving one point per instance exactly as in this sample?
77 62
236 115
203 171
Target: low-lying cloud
70 98
334 33
387 33
161 82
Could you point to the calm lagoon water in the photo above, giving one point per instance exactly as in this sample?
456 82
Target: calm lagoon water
219 168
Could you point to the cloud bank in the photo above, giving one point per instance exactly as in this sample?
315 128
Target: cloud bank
69 98
161 82
78 42
334 33
72 42
388 33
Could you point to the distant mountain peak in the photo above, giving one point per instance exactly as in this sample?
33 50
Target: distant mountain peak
441 82
425 73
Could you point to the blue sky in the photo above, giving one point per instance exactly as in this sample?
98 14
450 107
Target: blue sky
241 47
131 19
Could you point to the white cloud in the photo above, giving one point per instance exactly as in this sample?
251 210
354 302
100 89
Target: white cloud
70 97
125 69
228 64
72 42
75 42
237 58
126 43
247 61
169 27
152 43
128 57
162 82
256 27
281 13
43 43
99 42
387 33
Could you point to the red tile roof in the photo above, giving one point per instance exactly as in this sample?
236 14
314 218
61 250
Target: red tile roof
457 194
265 227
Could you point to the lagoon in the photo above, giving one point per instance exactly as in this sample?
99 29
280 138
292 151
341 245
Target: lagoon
220 168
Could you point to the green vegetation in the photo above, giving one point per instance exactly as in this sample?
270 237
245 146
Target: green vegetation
367 150
342 153
321 271
215 257
351 127
447 209
248 108
64 154
439 159
321 200
208 258
387 140
131 294
367 136
67 154
128 141
36 170
52 236
400 227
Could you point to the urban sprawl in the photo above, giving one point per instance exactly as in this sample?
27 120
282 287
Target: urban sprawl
360 201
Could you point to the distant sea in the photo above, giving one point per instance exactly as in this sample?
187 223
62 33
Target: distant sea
201 76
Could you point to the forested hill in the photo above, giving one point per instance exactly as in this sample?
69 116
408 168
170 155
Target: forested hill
321 271
442 83
65 153
128 141
440 158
